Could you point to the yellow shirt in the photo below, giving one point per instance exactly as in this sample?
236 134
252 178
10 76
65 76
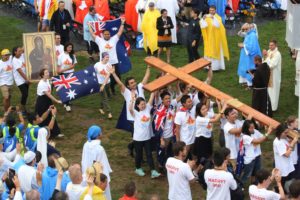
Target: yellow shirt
98 194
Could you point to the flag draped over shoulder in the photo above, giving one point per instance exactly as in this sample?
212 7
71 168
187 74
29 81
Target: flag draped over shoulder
131 15
113 26
48 7
75 85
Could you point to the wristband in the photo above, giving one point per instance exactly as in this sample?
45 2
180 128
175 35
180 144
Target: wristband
53 116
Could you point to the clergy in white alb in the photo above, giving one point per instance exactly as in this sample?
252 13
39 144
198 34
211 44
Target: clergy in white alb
172 7
297 73
292 25
93 151
273 58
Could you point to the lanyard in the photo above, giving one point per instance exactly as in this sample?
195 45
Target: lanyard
62 14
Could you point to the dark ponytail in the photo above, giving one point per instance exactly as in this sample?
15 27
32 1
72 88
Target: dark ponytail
10 122
71 54
14 51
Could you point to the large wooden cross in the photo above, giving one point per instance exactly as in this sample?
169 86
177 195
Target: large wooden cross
182 74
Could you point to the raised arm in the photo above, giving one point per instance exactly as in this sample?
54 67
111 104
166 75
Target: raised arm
91 31
118 81
52 121
147 76
121 29
131 106
22 121
151 98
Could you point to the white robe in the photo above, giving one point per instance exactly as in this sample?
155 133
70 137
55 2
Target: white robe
172 7
215 64
274 61
292 25
93 151
142 4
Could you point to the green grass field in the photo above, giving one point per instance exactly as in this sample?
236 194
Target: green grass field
85 111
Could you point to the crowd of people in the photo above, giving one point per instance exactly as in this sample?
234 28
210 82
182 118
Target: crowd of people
178 124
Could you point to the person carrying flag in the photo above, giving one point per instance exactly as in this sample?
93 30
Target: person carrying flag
108 44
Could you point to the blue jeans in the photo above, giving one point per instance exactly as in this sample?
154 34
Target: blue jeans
247 171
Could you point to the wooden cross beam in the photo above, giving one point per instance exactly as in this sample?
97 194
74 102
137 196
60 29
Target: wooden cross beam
182 74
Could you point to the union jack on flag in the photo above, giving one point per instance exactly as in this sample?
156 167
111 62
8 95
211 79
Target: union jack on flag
113 26
75 85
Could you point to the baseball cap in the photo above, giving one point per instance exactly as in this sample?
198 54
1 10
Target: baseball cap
5 52
29 156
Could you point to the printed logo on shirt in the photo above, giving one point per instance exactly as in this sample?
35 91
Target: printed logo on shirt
190 121
57 53
103 72
216 182
8 68
67 62
172 169
256 197
170 117
23 65
107 46
145 119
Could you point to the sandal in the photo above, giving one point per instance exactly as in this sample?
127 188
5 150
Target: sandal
101 111
109 116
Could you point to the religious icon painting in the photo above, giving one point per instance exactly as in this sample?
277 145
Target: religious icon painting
39 51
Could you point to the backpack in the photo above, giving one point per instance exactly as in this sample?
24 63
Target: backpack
10 142
29 137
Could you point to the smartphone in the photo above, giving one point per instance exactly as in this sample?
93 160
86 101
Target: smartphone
11 173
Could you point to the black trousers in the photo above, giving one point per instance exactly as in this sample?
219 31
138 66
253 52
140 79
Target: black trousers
24 93
91 47
193 51
65 38
139 146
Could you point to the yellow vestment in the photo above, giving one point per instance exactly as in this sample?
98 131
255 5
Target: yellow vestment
214 38
149 29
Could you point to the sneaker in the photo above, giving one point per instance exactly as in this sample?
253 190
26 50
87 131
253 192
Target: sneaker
155 174
60 135
140 172
68 108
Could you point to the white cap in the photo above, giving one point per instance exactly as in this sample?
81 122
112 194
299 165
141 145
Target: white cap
29 156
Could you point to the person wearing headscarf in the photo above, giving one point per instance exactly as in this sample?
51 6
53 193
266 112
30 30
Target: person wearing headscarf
93 151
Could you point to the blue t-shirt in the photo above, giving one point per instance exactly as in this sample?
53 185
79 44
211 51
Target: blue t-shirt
10 142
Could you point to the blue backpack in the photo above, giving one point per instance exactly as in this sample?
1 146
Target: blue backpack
10 142
29 137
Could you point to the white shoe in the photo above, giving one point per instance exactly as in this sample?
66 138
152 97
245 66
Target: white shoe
68 108
60 135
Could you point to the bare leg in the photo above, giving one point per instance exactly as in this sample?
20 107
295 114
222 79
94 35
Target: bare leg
159 52
6 103
168 54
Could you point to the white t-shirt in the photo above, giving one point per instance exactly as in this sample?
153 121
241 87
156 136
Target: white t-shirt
169 123
27 178
102 71
65 61
262 194
186 120
283 163
6 73
127 96
43 86
257 149
203 127
18 63
74 191
142 123
179 176
59 49
219 184
249 149
231 141
108 46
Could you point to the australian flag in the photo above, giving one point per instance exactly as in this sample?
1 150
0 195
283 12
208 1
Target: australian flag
122 51
75 85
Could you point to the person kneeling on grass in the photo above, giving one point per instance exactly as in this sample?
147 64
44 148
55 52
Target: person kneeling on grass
141 133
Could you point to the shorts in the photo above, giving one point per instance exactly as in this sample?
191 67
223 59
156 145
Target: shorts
6 91
45 22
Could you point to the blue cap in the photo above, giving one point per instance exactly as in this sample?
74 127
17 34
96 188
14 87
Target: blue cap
93 132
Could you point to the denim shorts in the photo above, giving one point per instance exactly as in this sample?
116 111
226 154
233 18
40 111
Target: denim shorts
46 22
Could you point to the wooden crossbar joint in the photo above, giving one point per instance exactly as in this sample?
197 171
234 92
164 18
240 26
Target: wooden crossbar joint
175 74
